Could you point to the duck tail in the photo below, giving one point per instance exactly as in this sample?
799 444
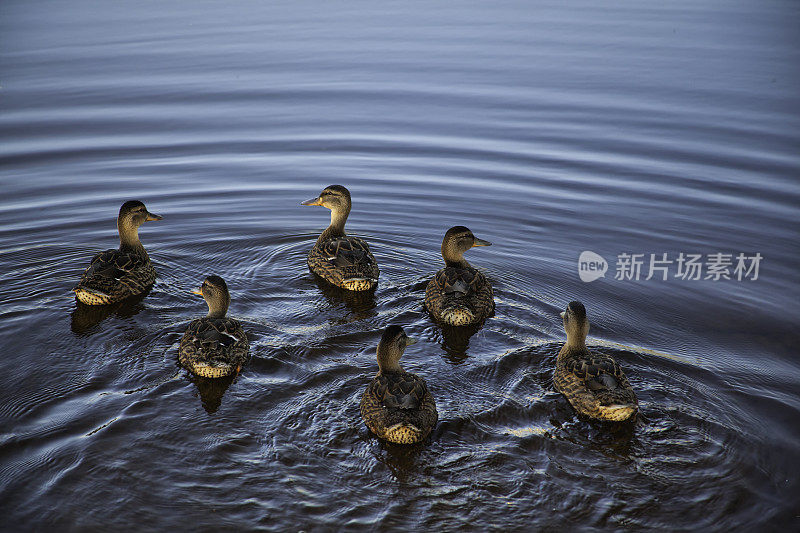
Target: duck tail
359 284
403 433
458 316
619 411
91 296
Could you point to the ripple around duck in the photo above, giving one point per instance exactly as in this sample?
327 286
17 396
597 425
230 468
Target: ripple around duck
312 353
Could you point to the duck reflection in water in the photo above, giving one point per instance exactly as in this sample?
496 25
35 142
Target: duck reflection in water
614 439
360 304
455 341
401 459
85 317
211 390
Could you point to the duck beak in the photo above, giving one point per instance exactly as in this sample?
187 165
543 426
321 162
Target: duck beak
481 242
313 201
198 291
562 314
152 217
410 341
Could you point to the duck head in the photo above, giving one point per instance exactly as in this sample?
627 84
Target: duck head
458 240
132 214
391 347
334 197
575 324
215 292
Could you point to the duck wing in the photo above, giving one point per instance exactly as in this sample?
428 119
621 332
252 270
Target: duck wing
215 335
600 373
113 264
398 390
214 347
459 296
398 407
348 252
118 274
459 282
344 258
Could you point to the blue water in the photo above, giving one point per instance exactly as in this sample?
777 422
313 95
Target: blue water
548 129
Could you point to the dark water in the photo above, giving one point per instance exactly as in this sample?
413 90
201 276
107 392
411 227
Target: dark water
637 127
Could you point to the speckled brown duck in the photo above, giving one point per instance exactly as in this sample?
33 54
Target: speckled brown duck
593 383
397 405
214 346
336 257
114 275
459 295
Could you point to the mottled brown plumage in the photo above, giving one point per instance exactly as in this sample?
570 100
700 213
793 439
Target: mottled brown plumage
593 383
459 294
337 258
114 275
345 262
397 405
215 345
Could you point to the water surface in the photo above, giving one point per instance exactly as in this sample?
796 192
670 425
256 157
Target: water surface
641 127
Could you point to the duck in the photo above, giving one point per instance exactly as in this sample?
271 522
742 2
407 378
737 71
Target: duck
593 383
397 405
215 345
459 294
337 258
114 275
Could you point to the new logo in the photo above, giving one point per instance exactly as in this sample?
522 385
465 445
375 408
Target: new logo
591 266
